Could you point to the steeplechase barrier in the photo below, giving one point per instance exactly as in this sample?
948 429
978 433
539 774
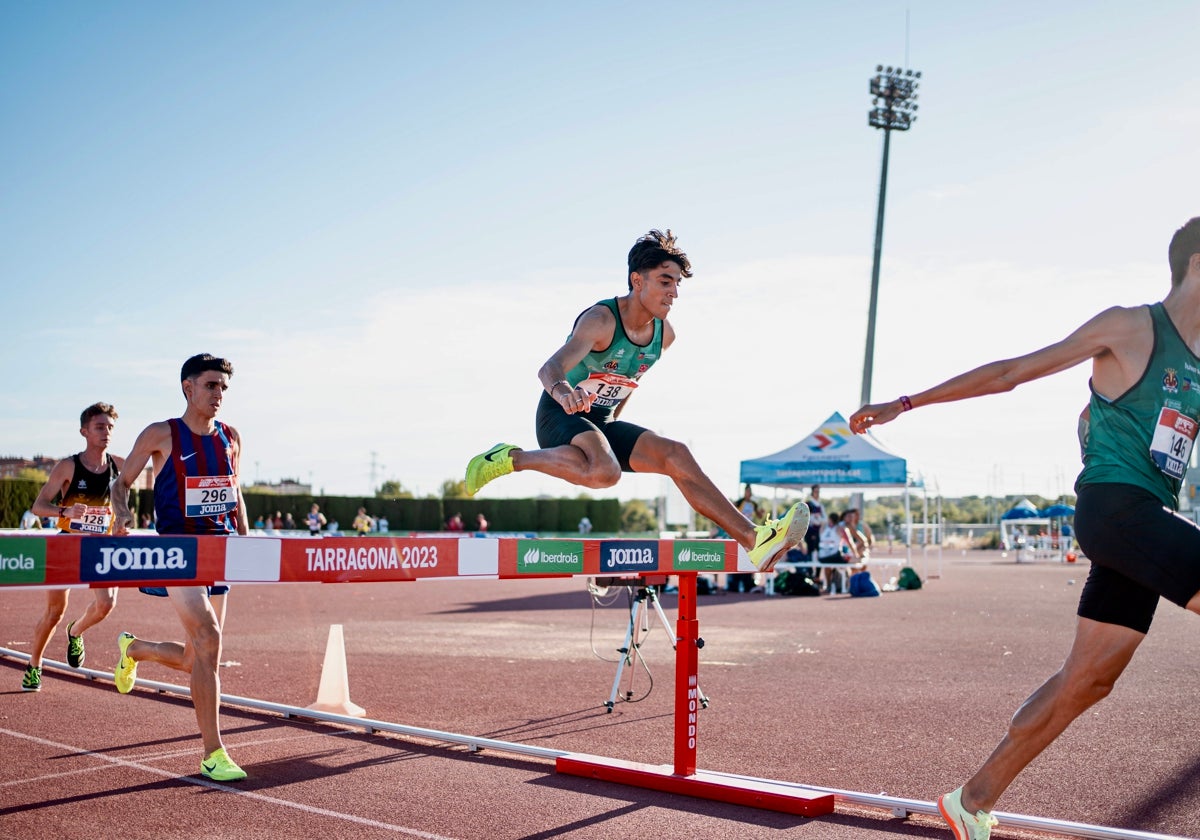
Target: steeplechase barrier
69 561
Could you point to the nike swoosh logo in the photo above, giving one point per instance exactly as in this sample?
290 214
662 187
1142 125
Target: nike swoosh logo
774 531
209 767
184 458
495 451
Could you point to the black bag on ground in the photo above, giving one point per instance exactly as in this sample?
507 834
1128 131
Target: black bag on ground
794 583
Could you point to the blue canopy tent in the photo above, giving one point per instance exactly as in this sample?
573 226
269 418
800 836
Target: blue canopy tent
833 456
1023 509
1037 534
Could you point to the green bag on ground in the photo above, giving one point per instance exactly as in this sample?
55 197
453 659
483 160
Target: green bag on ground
908 579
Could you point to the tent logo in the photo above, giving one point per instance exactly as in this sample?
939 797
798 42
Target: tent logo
828 439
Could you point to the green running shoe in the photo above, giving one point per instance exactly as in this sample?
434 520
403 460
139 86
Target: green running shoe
221 767
776 536
32 681
494 463
125 676
75 652
966 826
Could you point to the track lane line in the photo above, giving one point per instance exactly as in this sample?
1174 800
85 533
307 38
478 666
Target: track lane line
208 783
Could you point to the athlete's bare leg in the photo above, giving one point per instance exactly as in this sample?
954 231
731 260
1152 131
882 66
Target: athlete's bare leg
587 460
103 601
1098 656
177 655
1194 604
203 630
656 454
56 607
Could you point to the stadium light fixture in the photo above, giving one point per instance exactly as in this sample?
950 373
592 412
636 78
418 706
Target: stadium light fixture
893 108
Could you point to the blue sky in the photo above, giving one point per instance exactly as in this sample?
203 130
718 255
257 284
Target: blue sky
388 214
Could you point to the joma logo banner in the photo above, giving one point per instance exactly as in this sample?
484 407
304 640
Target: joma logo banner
628 555
134 558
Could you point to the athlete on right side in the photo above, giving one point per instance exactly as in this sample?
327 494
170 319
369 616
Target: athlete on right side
1143 417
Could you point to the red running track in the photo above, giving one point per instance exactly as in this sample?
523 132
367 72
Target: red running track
903 694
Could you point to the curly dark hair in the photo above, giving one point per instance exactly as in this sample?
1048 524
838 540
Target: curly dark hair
654 249
95 410
1184 243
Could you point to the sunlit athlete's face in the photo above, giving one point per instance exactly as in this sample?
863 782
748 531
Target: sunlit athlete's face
98 431
657 288
206 392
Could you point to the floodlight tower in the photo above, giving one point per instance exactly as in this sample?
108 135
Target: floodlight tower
893 108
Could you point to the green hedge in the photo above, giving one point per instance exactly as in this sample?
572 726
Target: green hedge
17 495
503 515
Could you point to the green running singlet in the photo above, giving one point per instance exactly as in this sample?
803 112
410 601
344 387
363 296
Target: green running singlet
1144 437
611 374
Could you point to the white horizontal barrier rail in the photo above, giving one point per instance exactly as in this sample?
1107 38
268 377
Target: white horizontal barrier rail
897 805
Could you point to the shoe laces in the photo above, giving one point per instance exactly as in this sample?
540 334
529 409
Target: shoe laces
985 822
767 529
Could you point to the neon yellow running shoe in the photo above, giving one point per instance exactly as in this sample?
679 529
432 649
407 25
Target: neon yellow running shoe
125 676
221 767
776 536
32 681
494 463
75 651
966 826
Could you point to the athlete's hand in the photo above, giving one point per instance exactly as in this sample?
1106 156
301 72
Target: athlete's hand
121 525
122 515
75 511
874 414
578 401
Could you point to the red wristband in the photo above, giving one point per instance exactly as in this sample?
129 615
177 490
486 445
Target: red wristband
906 403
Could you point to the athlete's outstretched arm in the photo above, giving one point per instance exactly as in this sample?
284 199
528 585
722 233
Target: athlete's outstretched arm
1090 341
153 442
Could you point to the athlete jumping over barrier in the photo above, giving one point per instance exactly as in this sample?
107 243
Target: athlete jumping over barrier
1142 422
587 383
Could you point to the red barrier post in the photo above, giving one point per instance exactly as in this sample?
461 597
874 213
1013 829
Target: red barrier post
687 683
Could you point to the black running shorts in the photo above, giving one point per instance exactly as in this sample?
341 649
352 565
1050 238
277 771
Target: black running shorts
161 591
1139 551
557 428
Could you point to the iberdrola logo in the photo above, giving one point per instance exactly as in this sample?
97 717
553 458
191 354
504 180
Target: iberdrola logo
705 556
549 557
22 561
